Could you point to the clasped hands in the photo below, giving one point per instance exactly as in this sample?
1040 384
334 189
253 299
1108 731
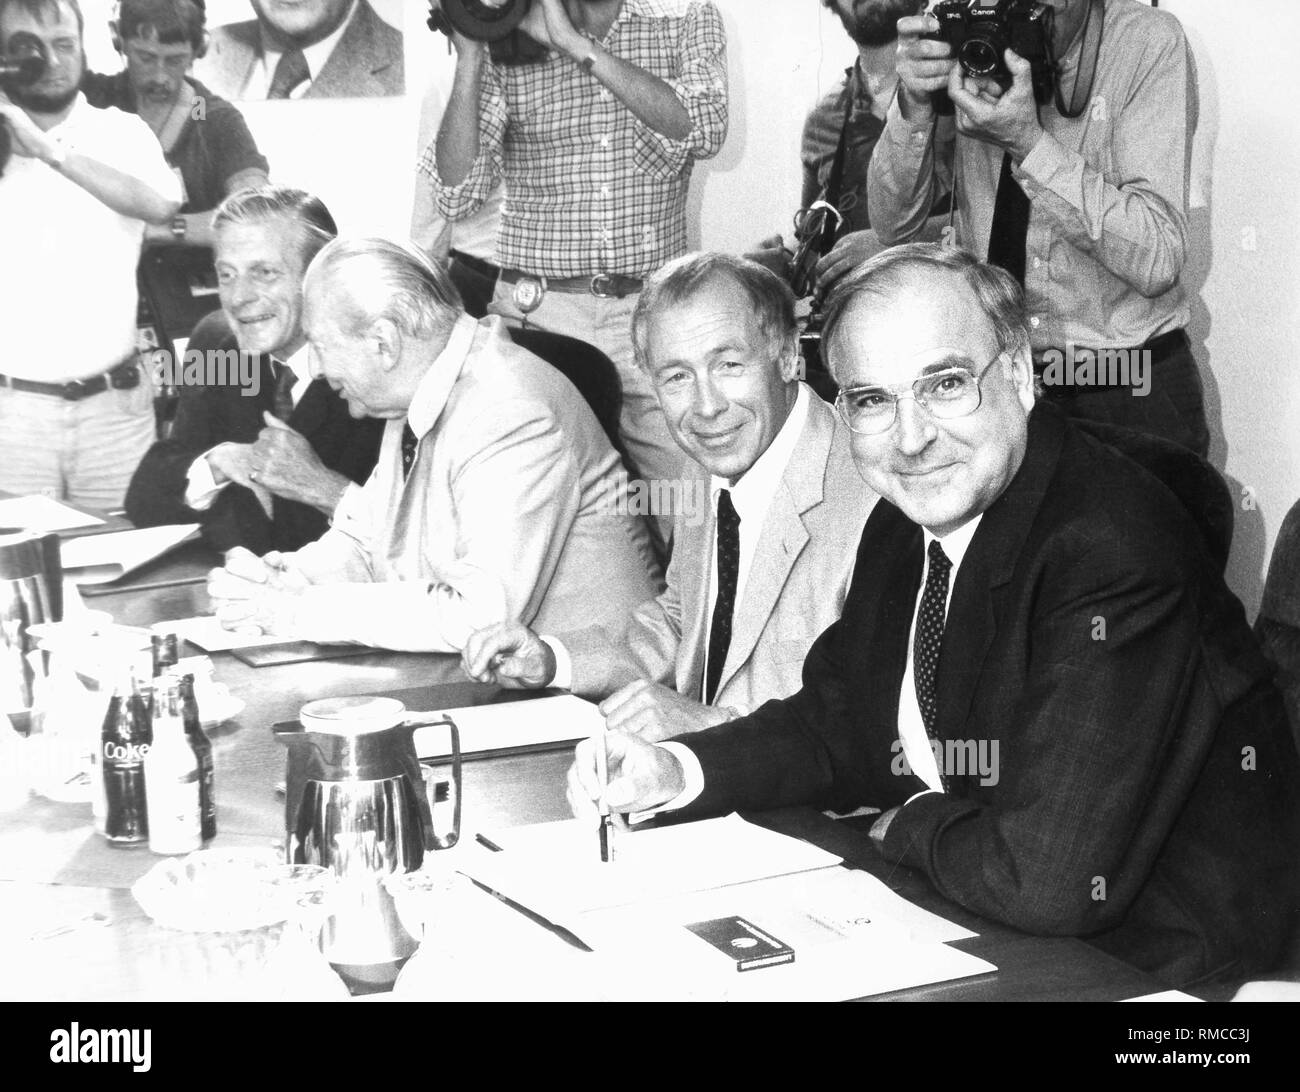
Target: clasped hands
256 595
281 462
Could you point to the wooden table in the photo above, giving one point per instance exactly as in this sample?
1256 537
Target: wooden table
58 877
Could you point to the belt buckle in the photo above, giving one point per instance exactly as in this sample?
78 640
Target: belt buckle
527 293
600 286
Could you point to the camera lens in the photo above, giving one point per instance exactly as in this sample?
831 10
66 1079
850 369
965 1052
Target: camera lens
978 57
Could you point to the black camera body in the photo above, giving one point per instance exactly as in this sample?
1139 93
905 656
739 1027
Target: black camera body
21 66
980 32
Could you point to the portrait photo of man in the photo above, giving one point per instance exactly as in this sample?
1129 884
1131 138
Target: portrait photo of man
294 49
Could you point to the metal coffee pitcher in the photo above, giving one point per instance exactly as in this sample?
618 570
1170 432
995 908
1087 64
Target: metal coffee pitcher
357 803
31 591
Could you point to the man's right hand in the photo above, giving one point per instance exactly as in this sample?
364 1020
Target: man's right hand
641 776
231 462
923 65
772 254
509 655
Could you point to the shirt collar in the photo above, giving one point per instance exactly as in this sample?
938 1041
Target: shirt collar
954 543
299 363
69 124
754 491
435 388
315 55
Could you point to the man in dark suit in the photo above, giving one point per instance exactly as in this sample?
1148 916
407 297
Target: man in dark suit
315 49
261 455
1039 676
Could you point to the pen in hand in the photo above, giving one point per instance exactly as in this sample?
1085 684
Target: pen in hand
602 776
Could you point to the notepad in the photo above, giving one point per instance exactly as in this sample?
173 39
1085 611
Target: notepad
100 559
554 869
510 725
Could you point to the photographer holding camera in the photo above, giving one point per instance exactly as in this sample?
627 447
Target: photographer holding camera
76 414
1071 172
594 144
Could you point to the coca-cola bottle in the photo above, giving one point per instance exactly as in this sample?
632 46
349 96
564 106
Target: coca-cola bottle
203 752
165 652
124 743
171 776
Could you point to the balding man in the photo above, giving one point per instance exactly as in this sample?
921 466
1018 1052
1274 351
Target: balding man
496 496
765 546
1039 678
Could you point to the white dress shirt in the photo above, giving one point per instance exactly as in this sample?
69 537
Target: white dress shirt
201 489
263 71
911 728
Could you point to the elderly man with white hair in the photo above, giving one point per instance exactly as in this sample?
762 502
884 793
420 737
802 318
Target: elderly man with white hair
496 496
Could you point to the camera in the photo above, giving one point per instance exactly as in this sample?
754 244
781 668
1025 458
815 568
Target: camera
21 65
493 21
981 31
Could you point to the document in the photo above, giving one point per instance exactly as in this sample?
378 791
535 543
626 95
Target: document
99 559
206 632
507 725
554 869
41 514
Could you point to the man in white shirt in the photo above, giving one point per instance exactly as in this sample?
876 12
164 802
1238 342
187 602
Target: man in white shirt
716 337
81 184
1040 678
496 496
305 49
259 454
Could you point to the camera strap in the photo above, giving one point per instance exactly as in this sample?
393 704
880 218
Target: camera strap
1086 74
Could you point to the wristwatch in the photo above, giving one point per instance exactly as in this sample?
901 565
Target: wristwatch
178 228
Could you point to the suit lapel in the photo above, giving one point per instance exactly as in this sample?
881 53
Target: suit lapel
312 410
356 52
693 578
986 570
783 536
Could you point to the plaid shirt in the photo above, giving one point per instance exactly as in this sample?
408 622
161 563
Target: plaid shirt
588 187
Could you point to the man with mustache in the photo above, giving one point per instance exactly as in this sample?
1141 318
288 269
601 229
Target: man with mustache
204 138
79 189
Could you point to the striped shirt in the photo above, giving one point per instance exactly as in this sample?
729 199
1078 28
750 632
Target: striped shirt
589 188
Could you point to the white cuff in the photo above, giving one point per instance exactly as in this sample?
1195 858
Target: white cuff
201 488
563 677
351 505
692 778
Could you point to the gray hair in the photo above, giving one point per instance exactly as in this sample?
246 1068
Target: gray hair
1000 297
388 280
306 211
677 281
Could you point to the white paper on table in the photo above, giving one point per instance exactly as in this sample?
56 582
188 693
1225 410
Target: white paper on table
37 513
557 719
555 869
98 559
206 632
1164 995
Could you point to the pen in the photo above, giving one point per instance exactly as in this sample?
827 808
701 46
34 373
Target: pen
602 775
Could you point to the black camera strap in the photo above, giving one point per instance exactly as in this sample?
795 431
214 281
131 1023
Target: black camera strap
1086 74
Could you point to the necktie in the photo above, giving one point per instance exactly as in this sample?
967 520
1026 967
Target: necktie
724 605
282 399
929 634
290 71
1010 224
409 443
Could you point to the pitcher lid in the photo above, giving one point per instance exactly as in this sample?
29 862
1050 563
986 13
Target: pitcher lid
351 715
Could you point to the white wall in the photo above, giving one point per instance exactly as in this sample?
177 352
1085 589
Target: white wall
783 54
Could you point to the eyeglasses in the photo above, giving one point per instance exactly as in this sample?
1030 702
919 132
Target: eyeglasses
945 395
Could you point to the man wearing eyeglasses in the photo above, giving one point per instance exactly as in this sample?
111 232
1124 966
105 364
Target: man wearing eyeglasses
1039 677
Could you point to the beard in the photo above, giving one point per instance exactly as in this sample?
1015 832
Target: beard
875 22
42 102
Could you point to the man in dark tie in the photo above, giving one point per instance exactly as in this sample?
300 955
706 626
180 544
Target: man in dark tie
766 532
1080 190
262 454
1039 676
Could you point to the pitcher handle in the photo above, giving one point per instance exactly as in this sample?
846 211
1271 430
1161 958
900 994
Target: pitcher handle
431 787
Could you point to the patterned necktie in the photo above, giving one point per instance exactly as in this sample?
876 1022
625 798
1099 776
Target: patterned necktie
290 71
724 605
929 635
282 399
1010 228
409 443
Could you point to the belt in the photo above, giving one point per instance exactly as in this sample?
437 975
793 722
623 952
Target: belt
479 265
602 285
122 378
